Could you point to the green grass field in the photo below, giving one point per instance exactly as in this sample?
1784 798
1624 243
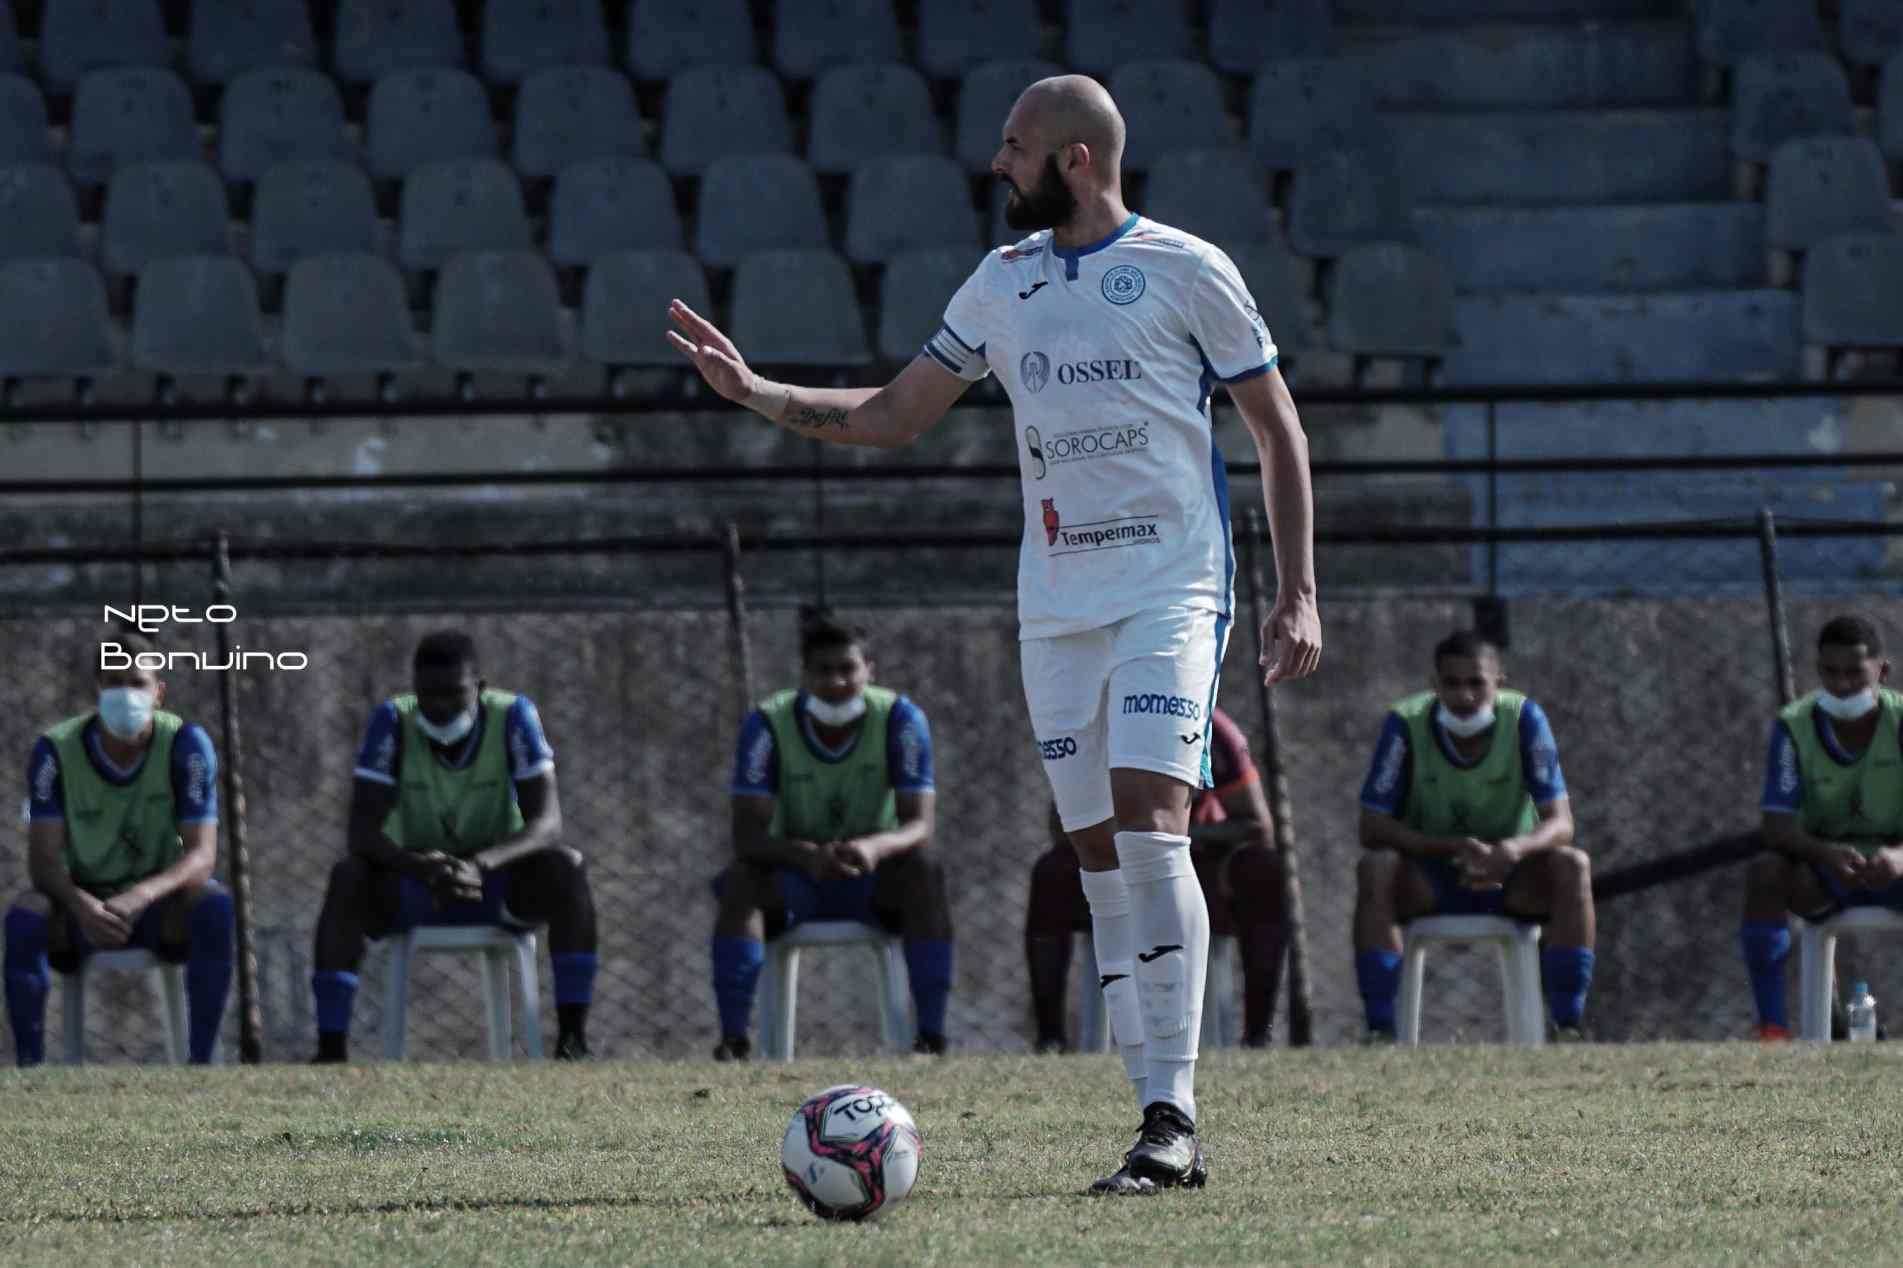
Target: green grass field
1646 1154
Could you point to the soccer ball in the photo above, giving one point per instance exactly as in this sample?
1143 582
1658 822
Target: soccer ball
851 1152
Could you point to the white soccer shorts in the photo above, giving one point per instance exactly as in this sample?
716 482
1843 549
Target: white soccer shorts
1136 694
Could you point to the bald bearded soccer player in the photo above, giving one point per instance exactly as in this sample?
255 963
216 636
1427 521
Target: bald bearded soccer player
1108 332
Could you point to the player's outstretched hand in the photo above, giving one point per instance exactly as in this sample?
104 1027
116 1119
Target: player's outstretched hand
712 353
1293 638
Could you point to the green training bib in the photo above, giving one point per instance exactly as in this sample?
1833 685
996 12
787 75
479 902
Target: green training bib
1488 800
824 800
117 835
458 812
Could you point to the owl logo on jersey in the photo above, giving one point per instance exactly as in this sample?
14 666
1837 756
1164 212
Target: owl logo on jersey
1051 522
1035 369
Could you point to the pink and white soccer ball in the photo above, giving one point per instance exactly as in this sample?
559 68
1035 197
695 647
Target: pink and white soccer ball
851 1153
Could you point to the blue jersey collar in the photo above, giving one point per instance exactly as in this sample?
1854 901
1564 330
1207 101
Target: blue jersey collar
1075 253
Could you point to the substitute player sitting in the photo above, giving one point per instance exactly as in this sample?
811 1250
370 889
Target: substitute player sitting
1109 332
1465 812
832 820
122 839
454 820
1832 807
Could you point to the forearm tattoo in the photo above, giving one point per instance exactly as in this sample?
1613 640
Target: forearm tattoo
814 418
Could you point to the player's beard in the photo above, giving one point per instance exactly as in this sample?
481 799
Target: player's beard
1046 206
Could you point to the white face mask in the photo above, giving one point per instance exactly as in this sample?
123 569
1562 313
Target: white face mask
1473 724
845 713
1848 708
126 711
450 731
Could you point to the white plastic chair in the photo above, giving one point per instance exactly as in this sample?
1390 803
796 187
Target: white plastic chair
1220 1022
170 983
1516 946
496 946
780 982
1817 943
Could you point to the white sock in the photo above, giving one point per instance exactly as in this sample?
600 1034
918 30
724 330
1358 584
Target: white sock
1111 934
1170 924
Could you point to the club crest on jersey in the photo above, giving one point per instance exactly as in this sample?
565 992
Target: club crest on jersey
1034 368
1123 284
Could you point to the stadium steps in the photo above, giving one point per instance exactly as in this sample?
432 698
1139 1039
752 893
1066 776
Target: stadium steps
1666 247
1504 66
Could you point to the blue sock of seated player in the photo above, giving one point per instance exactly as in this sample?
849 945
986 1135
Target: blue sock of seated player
1378 974
928 964
27 983
334 991
1766 948
208 971
574 991
1568 974
737 964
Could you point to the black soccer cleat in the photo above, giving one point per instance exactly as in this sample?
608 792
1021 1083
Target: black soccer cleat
571 1047
1120 1184
929 1044
1167 1153
733 1048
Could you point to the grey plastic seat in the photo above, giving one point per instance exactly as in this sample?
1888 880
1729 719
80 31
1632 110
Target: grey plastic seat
1168 106
347 314
1101 35
12 59
624 306
1869 32
311 207
522 37
1565 157
1731 30
753 202
810 35
1222 196
713 111
96 34
229 38
125 115
426 116
1890 109
375 38
824 329
1779 97
985 99
23 131
913 293
1344 198
197 315
157 210
1386 299
571 114
1821 188
1300 106
499 310
1274 280
37 207
608 205
668 36
275 115
862 112
1245 33
461 205
1853 292
1683 247
53 321
956 35
897 204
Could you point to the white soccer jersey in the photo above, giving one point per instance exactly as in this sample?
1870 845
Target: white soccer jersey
1109 353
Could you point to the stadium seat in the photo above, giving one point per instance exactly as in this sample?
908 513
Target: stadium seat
376 38
1101 35
611 205
1344 198
500 950
1890 110
1731 30
499 310
1565 158
197 315
668 36
522 37
1853 292
1302 106
1245 33
23 134
712 111
1221 196
822 329
275 115
1820 188
913 292
82 37
779 982
1869 32
1779 97
230 38
956 35
896 204
1517 946
1169 107
1386 299
347 314
1532 67
311 207
158 210
53 321
624 318
449 208
125 115
984 99
426 116
1817 961
810 35
1684 246
37 207
12 59
1429 12
870 111
753 202
168 979
1275 283
572 114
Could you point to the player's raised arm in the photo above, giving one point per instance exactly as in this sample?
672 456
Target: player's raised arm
882 417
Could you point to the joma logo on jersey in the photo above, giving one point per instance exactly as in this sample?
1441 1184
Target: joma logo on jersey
1155 702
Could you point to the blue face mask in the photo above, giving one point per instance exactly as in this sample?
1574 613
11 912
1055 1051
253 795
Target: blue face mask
126 711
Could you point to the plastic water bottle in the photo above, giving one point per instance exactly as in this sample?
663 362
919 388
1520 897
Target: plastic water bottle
1863 1012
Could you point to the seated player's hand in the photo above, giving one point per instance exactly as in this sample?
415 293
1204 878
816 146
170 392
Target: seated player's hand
103 927
1883 868
853 856
463 881
1844 864
128 906
713 354
1293 638
1484 865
